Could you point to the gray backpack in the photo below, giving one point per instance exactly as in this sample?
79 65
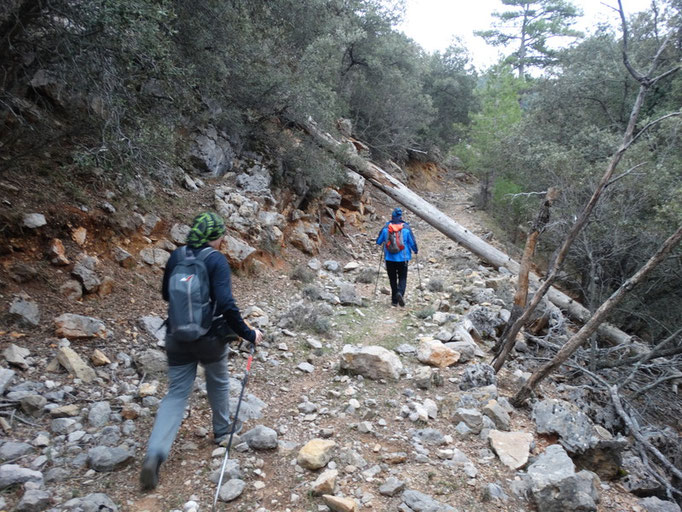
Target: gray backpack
190 311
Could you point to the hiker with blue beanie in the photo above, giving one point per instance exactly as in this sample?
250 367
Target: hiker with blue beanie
399 244
201 315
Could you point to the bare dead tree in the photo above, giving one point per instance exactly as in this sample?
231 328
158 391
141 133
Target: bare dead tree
646 81
599 316
521 295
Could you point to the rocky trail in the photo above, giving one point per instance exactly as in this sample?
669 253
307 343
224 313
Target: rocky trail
351 405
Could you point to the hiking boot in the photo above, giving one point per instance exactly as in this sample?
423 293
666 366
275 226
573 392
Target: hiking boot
149 476
401 301
223 439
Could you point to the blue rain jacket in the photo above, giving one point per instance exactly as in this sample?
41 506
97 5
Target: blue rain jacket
408 240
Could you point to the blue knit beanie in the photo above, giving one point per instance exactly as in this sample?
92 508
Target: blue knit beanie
397 214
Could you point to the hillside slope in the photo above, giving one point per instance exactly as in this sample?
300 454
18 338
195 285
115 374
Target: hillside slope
419 442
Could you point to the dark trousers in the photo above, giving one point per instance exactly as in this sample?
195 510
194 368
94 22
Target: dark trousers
397 276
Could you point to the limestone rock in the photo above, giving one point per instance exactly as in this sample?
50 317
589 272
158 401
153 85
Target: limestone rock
6 376
434 353
104 459
179 232
124 258
339 504
316 453
57 253
512 448
557 488
34 500
260 438
391 487
495 412
237 250
34 220
325 483
477 376
71 289
86 276
418 501
11 474
373 362
96 502
654 504
14 355
154 256
73 326
73 363
232 489
574 428
79 235
99 358
151 362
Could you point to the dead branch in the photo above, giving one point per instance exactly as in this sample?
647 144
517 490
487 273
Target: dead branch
650 355
655 352
602 312
613 391
657 382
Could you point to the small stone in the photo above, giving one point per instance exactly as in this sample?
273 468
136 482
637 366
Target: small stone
338 504
79 235
34 220
325 483
316 453
57 253
231 490
98 358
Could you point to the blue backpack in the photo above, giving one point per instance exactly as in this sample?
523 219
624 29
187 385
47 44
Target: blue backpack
190 311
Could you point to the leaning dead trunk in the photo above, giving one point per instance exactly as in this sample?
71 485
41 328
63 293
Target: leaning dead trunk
346 155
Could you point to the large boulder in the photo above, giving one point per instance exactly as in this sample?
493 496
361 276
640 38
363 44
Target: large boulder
574 428
373 362
556 487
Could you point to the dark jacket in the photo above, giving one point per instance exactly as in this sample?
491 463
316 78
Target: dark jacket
209 348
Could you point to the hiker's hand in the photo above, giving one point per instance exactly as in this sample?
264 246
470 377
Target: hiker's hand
259 336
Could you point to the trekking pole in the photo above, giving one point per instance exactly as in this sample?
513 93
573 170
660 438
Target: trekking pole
234 425
381 260
421 288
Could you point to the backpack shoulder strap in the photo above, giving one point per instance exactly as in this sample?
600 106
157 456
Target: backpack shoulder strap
205 253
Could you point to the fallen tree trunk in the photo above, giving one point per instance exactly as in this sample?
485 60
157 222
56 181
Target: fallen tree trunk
347 156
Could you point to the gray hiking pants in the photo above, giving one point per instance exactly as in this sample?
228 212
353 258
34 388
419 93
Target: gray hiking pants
172 408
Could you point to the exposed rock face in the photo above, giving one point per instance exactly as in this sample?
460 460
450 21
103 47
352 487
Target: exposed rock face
26 310
372 362
212 152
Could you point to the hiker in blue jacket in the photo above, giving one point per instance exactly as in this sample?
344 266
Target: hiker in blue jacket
210 350
399 244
